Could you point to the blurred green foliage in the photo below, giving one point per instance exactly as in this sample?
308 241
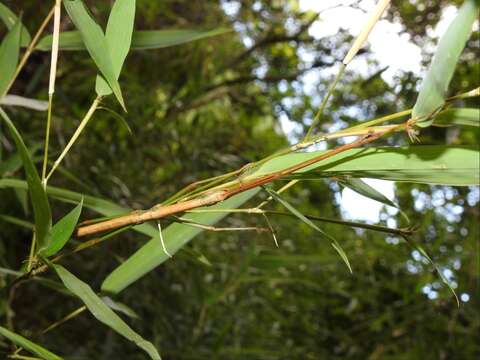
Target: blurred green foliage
211 106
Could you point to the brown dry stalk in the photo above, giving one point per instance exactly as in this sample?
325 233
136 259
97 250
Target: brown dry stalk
211 197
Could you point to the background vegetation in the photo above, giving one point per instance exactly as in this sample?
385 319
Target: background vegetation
208 107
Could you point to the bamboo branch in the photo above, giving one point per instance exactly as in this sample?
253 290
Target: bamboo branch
223 192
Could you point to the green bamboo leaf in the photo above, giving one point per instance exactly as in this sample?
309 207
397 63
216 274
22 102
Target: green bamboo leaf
62 231
151 255
435 85
121 120
429 164
157 39
119 37
9 19
362 188
96 44
454 116
16 221
338 248
102 312
9 53
41 207
28 345
14 162
422 251
141 39
33 104
120 307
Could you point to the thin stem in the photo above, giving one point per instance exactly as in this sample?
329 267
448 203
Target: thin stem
70 316
51 84
32 252
75 135
29 49
379 228
47 139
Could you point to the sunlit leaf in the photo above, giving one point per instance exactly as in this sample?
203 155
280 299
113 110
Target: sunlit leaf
430 164
28 345
362 188
101 311
41 207
95 43
338 248
33 104
9 53
150 255
435 85
141 39
62 231
9 19
459 116
118 36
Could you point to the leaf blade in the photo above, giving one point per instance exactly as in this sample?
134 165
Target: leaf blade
428 164
176 236
38 196
102 312
119 37
29 345
9 19
338 248
435 85
141 39
62 231
95 43
9 54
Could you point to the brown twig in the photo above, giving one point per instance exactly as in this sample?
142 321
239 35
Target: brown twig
213 196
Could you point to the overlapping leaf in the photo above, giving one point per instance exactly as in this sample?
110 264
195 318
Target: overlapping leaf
429 164
176 236
119 37
95 43
10 19
141 39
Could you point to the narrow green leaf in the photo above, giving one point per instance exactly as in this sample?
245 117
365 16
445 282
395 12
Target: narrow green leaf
28 345
428 164
14 162
150 255
453 116
9 53
435 85
16 221
41 207
121 120
96 44
120 307
338 248
33 104
119 37
102 312
141 39
9 19
62 231
156 39
422 251
362 188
